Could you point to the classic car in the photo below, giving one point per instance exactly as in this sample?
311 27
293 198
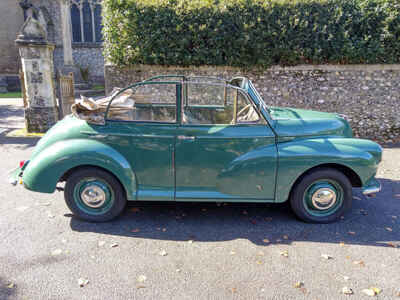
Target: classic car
179 138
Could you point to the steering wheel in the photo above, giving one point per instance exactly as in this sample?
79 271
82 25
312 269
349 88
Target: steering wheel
241 112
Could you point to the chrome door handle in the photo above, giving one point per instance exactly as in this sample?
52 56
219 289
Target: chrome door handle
185 137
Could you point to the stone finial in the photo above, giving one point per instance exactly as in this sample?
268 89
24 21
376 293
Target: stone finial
32 32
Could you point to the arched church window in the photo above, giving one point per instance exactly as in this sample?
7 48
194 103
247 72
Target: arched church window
86 21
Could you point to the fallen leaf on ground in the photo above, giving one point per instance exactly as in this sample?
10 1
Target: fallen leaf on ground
326 256
298 284
285 237
56 252
163 253
83 281
376 290
140 287
141 278
284 253
373 291
259 262
351 232
101 243
391 244
347 291
266 240
135 230
359 262
10 285
389 229
135 209
113 245
341 244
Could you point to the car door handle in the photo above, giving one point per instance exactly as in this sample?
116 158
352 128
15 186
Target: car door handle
186 138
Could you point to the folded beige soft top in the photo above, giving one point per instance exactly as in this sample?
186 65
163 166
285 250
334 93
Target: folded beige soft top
93 111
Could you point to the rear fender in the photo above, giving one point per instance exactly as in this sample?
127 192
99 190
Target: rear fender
48 166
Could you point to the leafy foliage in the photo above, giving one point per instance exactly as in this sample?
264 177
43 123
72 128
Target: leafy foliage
251 32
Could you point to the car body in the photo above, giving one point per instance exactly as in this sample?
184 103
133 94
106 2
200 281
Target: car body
204 139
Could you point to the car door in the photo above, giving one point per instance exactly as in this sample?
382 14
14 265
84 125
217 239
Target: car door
217 155
145 134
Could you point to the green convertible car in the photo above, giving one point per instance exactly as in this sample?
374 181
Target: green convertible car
178 138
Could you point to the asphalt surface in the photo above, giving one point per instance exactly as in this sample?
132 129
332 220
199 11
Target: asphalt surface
194 250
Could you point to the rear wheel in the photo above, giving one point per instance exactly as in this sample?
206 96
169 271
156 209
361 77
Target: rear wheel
321 196
94 195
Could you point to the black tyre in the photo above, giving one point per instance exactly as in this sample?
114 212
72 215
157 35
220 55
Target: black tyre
321 196
94 195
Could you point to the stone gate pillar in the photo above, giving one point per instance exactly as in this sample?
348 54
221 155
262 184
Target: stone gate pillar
37 64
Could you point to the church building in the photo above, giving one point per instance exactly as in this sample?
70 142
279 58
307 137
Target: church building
74 26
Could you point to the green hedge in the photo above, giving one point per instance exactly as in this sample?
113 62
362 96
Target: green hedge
250 33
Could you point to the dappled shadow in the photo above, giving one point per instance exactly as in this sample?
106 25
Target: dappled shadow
11 116
21 142
209 222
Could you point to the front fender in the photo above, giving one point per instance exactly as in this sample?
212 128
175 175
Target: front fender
46 168
298 156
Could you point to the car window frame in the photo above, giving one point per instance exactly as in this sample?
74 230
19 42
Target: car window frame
184 98
178 100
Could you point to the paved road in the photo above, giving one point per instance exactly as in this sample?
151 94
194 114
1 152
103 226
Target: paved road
210 251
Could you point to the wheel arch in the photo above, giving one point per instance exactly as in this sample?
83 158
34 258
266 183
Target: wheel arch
68 173
58 160
353 177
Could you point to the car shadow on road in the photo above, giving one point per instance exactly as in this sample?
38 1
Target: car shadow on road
372 222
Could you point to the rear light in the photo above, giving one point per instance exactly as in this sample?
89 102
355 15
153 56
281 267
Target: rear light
21 163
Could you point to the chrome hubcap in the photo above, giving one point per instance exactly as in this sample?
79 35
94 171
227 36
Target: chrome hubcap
93 196
323 198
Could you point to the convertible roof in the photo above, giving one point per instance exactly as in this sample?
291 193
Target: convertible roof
236 81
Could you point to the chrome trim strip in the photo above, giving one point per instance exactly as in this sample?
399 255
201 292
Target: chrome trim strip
127 134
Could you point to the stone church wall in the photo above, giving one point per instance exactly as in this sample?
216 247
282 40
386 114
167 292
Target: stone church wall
11 21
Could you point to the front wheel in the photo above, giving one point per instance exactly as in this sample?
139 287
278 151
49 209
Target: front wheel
321 196
94 195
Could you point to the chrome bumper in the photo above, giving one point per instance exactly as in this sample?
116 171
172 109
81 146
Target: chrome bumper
373 186
14 176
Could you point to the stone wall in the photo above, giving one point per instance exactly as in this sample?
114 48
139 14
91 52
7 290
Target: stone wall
11 21
84 54
368 94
